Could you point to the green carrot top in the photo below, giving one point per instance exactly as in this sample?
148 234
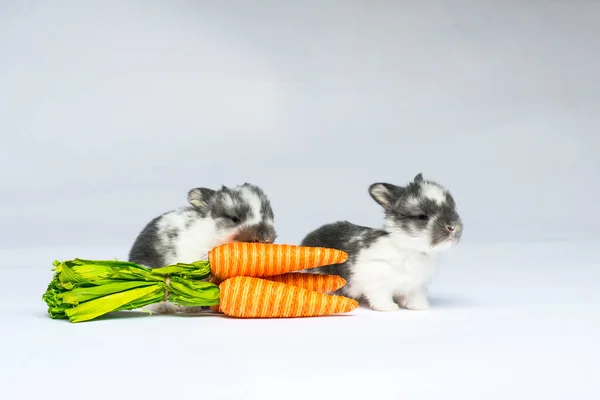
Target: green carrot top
85 289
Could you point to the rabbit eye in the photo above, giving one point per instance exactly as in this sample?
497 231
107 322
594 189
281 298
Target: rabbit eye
233 219
422 217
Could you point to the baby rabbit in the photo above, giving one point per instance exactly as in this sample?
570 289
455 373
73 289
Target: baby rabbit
396 264
213 217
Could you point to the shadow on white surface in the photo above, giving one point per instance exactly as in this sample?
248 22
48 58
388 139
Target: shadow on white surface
451 302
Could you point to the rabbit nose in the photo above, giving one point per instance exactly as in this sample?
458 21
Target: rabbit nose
450 228
253 234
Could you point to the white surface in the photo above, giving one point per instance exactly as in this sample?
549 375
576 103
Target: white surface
508 322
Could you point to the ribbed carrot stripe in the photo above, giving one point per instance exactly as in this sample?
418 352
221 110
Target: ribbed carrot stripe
247 297
317 282
261 259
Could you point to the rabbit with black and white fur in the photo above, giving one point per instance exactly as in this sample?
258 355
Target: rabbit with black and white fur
212 217
394 266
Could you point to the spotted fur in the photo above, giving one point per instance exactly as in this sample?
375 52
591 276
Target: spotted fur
213 217
394 265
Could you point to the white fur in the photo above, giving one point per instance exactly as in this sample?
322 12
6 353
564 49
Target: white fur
228 201
254 202
388 271
433 192
396 270
413 201
193 244
195 241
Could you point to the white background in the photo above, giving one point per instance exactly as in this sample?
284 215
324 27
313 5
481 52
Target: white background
111 111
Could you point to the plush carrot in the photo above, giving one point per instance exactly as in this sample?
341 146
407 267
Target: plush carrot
261 259
315 282
247 297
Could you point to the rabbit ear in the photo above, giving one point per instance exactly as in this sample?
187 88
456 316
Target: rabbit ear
385 194
199 197
419 178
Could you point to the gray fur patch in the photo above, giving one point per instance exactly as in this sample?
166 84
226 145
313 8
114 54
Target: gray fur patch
144 251
230 208
172 234
345 236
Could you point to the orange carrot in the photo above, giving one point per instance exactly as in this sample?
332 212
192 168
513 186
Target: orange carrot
248 297
262 259
317 282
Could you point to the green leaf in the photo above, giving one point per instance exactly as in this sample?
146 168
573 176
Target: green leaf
82 294
103 305
196 270
82 289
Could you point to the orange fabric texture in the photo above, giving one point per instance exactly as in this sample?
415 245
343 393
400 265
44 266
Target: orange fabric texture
262 260
248 297
259 280
317 282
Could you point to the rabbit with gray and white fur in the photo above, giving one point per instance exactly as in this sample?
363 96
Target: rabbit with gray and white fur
394 266
213 217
